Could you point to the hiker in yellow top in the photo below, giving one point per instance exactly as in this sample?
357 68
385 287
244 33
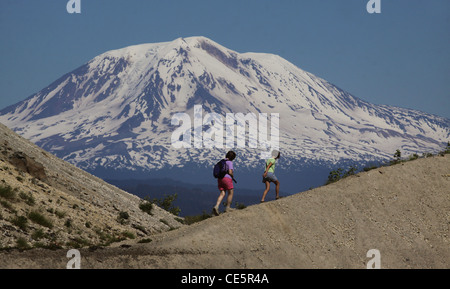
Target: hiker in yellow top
269 175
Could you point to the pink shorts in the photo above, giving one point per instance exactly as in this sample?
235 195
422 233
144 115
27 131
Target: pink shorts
225 184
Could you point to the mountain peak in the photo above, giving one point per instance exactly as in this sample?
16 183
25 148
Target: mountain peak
115 111
181 42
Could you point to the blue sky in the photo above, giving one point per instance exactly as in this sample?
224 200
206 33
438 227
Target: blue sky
399 57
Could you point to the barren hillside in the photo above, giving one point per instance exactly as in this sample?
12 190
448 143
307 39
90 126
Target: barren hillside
403 211
46 202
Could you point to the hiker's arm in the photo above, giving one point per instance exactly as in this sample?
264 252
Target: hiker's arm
230 172
267 169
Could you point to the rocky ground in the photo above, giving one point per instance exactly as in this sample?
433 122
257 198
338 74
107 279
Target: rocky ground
48 203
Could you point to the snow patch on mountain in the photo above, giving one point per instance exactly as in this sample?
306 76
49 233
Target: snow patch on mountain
115 111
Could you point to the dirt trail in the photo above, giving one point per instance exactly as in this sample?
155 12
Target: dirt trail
402 210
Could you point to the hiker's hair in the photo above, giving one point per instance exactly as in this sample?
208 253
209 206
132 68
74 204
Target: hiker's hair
231 155
276 154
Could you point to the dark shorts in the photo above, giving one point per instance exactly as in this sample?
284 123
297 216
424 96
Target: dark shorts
270 177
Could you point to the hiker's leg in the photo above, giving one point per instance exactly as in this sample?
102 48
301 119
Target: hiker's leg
219 199
230 197
265 191
277 189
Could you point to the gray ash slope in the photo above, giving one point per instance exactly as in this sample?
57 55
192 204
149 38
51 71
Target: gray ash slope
402 210
81 209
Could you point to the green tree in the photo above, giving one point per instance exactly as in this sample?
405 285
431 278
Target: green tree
351 171
334 176
167 204
397 155
164 203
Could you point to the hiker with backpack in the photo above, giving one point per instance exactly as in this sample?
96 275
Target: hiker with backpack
223 171
269 176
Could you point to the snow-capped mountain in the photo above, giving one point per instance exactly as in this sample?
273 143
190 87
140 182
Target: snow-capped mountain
115 111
